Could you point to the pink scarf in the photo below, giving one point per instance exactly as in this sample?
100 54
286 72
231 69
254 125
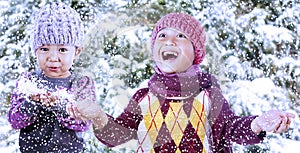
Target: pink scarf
183 85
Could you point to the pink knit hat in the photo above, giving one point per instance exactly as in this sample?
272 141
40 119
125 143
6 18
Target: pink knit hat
56 23
187 24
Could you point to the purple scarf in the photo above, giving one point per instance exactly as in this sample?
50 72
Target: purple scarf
183 85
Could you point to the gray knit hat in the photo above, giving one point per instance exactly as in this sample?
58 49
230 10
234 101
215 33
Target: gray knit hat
56 23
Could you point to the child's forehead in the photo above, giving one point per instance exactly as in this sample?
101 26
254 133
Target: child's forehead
57 45
171 29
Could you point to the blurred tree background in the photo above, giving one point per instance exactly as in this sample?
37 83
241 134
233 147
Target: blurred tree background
247 40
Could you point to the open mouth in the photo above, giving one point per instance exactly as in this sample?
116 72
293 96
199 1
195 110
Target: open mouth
169 55
53 68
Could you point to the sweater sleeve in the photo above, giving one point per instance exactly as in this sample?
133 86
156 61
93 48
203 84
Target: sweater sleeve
23 110
73 124
83 89
123 128
227 127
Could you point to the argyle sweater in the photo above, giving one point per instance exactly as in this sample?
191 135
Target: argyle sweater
49 129
179 113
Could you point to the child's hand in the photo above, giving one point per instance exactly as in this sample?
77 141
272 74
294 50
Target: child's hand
72 110
272 121
85 111
45 99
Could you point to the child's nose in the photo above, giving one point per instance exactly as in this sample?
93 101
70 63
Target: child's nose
170 42
53 56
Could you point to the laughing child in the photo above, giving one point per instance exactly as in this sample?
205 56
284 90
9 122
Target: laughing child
182 109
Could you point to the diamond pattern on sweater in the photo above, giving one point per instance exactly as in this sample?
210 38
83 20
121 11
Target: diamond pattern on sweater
176 121
176 132
164 142
198 119
190 141
153 120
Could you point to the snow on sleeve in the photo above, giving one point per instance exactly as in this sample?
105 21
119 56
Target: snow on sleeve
28 86
23 111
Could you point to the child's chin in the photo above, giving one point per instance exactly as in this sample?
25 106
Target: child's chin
167 70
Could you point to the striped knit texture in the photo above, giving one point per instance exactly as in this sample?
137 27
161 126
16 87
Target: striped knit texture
56 23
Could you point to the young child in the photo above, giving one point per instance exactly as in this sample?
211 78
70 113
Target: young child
38 103
182 109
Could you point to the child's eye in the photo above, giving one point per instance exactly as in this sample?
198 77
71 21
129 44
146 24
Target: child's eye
162 35
44 49
181 35
63 50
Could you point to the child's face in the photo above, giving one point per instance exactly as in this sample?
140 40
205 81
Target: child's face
56 60
173 52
